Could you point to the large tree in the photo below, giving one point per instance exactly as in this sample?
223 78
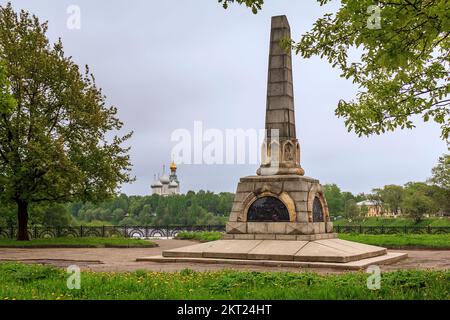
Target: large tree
441 180
404 60
351 210
418 200
57 140
334 198
441 173
391 197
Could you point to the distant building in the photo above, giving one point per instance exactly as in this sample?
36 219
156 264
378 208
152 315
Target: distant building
374 209
167 185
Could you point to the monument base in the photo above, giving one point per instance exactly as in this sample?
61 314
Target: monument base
275 236
331 253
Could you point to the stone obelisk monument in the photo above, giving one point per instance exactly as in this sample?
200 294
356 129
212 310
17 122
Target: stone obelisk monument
281 150
280 217
280 202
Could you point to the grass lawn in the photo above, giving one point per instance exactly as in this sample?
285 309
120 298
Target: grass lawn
395 222
199 236
78 243
421 241
20 281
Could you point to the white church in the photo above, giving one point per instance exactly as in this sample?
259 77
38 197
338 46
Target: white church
167 185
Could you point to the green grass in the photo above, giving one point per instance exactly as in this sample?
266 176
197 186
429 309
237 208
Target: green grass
395 222
77 243
20 281
200 236
422 241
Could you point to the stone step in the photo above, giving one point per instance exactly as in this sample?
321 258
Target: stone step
330 250
389 258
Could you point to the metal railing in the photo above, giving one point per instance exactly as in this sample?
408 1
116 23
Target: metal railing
39 232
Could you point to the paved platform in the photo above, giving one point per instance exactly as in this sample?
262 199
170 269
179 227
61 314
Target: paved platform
391 257
335 253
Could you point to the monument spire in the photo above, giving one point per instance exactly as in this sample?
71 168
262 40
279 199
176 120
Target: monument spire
280 91
281 150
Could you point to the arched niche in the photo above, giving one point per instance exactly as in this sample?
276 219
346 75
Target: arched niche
298 153
315 195
283 198
268 209
318 214
289 152
265 153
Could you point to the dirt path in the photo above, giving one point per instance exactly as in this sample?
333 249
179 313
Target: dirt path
122 260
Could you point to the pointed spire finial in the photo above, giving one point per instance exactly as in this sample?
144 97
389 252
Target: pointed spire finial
280 92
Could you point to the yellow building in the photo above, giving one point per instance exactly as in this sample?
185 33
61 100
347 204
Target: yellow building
374 209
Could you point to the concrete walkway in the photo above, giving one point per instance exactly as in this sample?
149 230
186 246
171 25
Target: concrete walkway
122 260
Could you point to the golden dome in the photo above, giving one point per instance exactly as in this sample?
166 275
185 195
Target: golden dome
173 166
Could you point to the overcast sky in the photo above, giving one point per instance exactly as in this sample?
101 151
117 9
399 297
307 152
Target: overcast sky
168 63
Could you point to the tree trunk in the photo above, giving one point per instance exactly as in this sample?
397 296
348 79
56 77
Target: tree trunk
22 214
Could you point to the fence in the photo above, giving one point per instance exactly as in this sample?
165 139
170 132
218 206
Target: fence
171 231
106 231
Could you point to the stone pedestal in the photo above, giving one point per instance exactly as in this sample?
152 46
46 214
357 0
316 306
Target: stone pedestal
299 194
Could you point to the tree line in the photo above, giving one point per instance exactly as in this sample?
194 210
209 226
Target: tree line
414 199
201 208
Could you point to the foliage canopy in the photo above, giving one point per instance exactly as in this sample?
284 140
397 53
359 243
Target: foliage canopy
56 131
404 61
